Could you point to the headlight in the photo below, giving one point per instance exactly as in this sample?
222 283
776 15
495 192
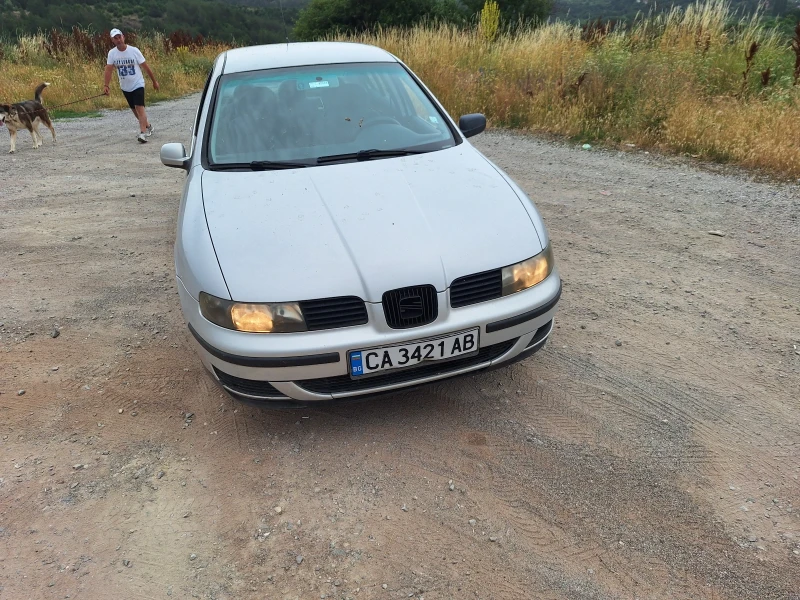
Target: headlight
273 317
528 273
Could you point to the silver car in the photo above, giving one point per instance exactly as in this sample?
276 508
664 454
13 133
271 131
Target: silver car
339 236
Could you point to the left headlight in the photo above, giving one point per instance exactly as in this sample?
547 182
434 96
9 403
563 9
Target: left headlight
528 273
272 317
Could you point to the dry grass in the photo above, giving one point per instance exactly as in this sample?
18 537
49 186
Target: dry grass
674 81
75 71
680 81
753 134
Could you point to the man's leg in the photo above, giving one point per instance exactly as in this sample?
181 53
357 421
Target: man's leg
148 127
142 116
136 102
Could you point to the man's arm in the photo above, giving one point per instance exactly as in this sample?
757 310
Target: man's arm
147 69
107 78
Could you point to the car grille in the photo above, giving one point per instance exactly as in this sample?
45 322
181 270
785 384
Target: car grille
476 288
248 387
330 313
344 384
410 306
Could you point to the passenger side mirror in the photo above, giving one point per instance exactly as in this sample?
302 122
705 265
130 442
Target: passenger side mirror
472 124
174 155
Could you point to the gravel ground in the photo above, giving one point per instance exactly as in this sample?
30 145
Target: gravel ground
652 450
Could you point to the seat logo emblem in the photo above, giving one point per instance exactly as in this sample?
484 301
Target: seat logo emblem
411 307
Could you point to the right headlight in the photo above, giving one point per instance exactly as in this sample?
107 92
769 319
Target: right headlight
528 273
270 317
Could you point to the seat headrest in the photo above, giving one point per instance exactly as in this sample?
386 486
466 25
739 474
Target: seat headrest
288 92
253 98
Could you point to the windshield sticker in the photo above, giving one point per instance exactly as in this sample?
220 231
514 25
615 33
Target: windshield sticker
433 119
318 82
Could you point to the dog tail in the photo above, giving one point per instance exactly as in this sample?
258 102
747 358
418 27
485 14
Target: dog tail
38 93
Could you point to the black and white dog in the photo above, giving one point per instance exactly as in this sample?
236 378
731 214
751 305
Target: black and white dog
27 114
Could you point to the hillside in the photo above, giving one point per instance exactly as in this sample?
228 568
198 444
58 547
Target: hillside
263 21
242 21
583 10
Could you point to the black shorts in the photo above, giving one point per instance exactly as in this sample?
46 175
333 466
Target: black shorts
135 98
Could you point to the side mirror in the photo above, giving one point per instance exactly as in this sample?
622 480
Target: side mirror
174 155
472 124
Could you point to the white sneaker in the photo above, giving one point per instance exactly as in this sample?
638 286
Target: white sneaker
149 131
142 138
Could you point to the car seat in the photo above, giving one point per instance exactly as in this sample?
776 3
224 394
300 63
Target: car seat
300 117
248 123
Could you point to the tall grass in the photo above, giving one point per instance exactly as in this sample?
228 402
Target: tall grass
74 62
672 81
700 80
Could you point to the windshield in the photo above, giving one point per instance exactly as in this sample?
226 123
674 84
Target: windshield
302 114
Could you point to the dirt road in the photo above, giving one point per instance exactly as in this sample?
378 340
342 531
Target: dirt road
652 450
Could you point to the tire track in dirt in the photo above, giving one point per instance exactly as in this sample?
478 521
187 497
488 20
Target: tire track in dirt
707 418
565 458
515 464
524 483
540 537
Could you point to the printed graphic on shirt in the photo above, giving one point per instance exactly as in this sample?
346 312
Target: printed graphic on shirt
126 67
127 64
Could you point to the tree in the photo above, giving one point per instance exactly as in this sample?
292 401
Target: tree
217 19
322 18
515 10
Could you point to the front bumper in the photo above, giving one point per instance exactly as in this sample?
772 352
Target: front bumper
312 366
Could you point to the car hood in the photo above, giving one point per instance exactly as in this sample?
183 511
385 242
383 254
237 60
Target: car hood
364 228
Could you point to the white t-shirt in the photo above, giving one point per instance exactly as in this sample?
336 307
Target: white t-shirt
128 69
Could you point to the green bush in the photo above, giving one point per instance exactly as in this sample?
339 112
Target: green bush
216 19
325 18
514 11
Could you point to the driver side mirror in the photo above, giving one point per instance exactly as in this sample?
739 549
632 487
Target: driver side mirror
472 124
174 155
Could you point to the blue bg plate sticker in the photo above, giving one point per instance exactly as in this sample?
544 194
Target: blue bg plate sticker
356 368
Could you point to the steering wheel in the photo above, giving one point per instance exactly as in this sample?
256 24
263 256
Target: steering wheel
373 121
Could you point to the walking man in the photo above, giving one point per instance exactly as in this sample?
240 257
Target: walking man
129 63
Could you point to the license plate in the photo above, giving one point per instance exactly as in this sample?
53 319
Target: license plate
376 360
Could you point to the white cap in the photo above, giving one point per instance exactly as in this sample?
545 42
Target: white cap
114 32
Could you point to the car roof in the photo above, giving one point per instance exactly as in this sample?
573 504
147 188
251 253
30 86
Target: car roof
274 56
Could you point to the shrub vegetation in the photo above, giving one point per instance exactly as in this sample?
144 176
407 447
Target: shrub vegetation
690 81
73 63
697 80
219 19
323 18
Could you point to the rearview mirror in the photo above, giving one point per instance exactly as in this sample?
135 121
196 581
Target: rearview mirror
174 155
472 124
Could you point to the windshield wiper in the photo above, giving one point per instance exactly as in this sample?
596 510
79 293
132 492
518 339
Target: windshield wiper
260 165
368 155
266 165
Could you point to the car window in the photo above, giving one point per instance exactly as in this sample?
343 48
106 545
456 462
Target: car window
303 113
418 106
